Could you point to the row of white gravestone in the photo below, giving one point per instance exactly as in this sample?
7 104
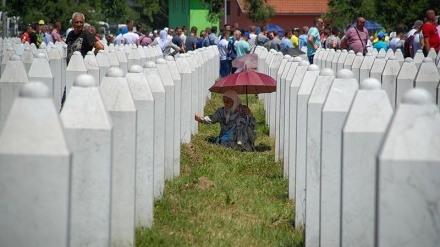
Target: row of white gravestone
110 175
338 141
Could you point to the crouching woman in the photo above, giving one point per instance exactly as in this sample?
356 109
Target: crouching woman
237 124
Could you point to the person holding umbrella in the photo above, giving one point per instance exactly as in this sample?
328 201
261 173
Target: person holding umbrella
237 124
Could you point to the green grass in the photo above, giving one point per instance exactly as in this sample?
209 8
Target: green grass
225 197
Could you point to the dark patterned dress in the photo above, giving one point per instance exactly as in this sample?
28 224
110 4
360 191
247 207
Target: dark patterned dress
244 135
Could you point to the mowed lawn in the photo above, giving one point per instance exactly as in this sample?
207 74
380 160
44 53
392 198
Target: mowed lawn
225 197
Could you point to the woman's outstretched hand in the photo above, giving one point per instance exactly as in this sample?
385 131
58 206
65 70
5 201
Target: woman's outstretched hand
197 117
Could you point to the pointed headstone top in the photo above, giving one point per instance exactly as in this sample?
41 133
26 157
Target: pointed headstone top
85 80
418 96
338 51
370 84
327 72
409 60
40 56
392 57
135 69
345 74
351 52
304 63
169 58
313 67
90 53
10 48
15 58
150 64
34 90
369 54
428 60
161 61
286 56
114 72
359 54
76 52
297 59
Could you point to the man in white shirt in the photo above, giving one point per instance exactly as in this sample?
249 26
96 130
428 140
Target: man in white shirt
223 50
130 37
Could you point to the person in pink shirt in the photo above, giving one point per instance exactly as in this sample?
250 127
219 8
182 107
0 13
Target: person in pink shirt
56 32
356 37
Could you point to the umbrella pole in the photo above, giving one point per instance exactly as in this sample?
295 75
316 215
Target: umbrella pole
247 97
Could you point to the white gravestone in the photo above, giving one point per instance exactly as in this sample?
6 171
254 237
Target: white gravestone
389 53
34 173
261 60
144 102
399 56
271 99
362 136
389 79
428 77
301 141
186 115
334 114
27 57
365 69
168 85
5 57
313 166
40 71
178 111
55 67
335 61
88 130
356 67
133 58
280 71
378 67
149 54
405 79
408 175
113 59
122 58
63 54
291 69
325 56
12 79
119 103
142 56
194 89
418 58
432 54
104 65
341 59
348 63
329 59
282 127
293 99
158 90
75 68
92 65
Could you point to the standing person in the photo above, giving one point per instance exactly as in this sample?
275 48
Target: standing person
79 39
276 42
201 38
166 44
145 39
223 50
356 37
333 41
56 32
26 36
286 43
262 36
212 38
139 30
183 36
232 49
252 37
46 35
242 45
302 39
294 38
130 37
176 38
380 44
430 33
314 40
417 25
397 42
191 40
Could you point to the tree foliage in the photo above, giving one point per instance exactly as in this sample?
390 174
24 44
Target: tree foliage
259 11
343 13
215 10
111 11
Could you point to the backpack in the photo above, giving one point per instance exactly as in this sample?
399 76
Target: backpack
408 46
232 53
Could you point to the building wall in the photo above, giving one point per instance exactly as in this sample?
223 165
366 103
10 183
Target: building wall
284 21
188 13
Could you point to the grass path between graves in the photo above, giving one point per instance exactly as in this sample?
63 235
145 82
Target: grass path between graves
224 197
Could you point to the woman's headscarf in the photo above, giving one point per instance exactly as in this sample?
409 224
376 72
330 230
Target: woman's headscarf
230 113
163 39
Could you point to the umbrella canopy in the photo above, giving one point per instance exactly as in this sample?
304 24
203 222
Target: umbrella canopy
369 25
249 61
245 82
271 28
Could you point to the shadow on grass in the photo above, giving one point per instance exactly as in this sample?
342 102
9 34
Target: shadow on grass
261 147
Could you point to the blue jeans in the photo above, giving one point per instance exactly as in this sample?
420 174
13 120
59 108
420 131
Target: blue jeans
224 68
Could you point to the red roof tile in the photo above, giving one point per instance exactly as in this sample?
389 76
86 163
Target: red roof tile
286 7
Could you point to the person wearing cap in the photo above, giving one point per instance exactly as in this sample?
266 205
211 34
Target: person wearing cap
237 124
380 44
417 25
41 22
294 38
242 45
